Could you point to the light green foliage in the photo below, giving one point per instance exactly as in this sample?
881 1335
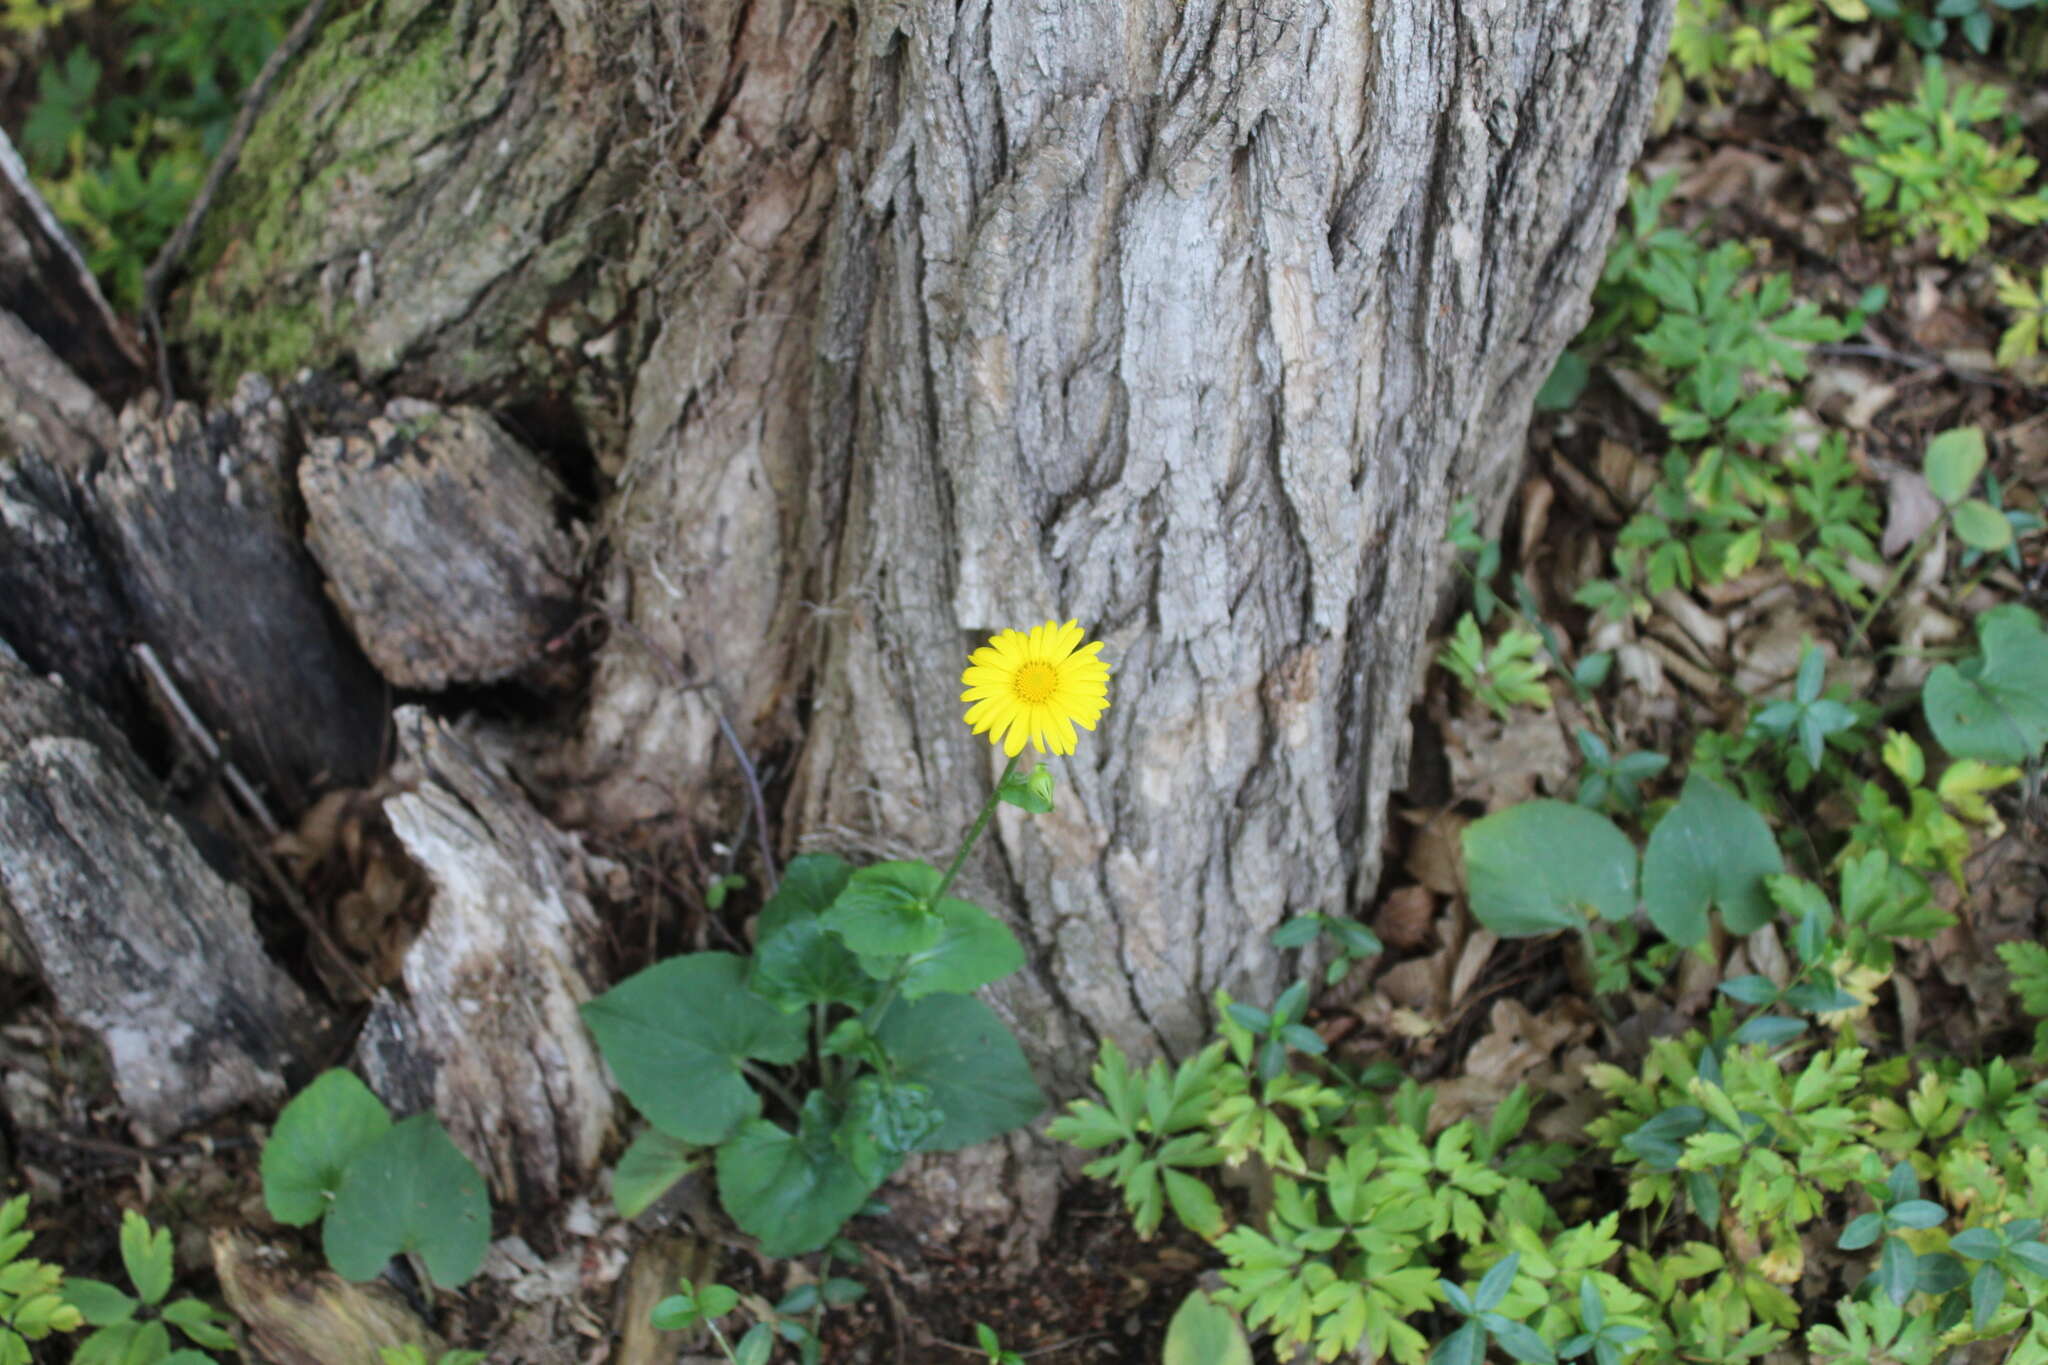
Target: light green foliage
1713 41
1204 1332
1954 461
2028 963
1928 834
991 1346
410 1354
2027 301
859 990
132 1329
119 153
1503 675
383 1188
1157 1122
1725 345
1353 941
32 1298
1922 166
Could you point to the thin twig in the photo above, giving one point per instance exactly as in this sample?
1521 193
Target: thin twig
231 151
732 741
245 791
167 689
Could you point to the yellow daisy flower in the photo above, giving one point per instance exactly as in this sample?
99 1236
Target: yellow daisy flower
1036 687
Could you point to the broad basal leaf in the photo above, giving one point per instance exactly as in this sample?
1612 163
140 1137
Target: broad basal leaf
973 949
977 1073
410 1191
675 1035
316 1137
1994 707
1539 866
793 1191
1712 849
650 1167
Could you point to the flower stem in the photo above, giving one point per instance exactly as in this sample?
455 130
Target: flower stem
988 809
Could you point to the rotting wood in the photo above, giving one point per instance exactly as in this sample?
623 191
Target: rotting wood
45 283
487 1033
135 934
197 513
296 1317
441 540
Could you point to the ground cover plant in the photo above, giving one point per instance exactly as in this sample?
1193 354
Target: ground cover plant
1704 1012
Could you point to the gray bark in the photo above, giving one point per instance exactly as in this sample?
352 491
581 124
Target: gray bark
441 540
909 320
138 938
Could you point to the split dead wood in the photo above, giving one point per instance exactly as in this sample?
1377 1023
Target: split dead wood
487 1033
136 935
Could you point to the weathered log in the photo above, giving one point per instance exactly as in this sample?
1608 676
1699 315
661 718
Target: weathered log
487 1034
198 514
45 283
316 1318
59 607
441 539
137 937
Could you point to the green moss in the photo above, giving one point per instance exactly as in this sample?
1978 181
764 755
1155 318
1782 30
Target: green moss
335 149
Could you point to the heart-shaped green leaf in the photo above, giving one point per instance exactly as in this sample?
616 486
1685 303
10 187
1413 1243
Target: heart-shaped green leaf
1954 460
1539 866
1994 707
411 1190
675 1035
315 1138
651 1165
1712 849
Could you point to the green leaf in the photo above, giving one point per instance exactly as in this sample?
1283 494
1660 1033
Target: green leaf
200 1322
1979 1244
1954 460
886 909
1494 1286
675 1034
974 948
1466 1346
1994 707
1862 1231
1712 849
411 1190
977 1073
793 1191
1537 867
1987 1292
802 964
1566 382
1520 1341
884 1121
1030 791
1750 990
649 1169
316 1136
1193 1203
146 1253
1917 1213
1981 526
1203 1332
101 1304
1897 1270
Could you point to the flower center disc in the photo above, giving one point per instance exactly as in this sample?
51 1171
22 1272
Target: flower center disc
1035 682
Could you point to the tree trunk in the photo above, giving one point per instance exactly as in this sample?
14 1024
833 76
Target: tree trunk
897 322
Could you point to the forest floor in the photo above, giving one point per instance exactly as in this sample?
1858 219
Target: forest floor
1755 161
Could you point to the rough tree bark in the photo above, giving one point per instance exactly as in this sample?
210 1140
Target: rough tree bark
894 322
